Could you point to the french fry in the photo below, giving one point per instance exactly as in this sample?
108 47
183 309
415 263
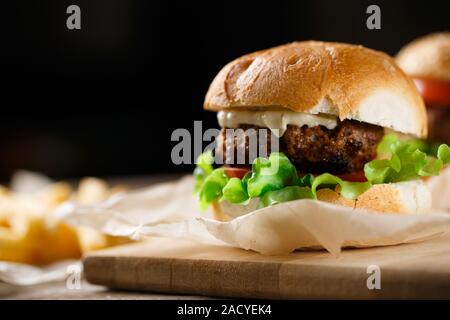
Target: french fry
56 194
30 233
31 240
92 190
61 242
15 248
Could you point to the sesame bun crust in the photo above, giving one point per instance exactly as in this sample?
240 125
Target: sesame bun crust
349 81
427 57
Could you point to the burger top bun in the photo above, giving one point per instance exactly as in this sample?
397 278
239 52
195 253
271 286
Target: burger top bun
349 81
427 57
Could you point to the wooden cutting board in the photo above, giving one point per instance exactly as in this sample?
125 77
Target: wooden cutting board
420 270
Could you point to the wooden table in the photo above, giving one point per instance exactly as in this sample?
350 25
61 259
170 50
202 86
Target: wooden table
59 291
409 271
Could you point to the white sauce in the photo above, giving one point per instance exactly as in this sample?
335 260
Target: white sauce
276 121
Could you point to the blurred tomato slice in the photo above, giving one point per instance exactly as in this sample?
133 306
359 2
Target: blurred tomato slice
236 172
240 172
357 176
436 93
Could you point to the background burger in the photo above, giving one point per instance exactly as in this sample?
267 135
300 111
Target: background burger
333 108
427 61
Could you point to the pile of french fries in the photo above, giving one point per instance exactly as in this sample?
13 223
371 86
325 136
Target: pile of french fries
31 233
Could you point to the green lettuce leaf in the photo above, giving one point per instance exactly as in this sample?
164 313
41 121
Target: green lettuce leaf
377 171
306 180
443 153
286 194
204 168
389 140
212 188
275 180
235 191
271 174
308 190
349 190
406 162
384 148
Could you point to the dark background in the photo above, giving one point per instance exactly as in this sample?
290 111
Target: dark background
104 100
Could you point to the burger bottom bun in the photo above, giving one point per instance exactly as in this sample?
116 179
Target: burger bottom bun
412 197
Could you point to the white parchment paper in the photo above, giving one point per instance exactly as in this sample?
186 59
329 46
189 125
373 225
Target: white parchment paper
20 274
171 210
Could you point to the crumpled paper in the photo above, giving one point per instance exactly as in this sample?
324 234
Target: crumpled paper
26 275
21 275
171 210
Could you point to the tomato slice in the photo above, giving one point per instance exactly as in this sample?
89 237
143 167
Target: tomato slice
240 172
436 93
236 172
357 176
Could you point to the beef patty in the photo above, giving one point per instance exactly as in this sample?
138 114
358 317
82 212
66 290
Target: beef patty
343 149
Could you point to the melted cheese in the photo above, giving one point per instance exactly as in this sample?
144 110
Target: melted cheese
276 121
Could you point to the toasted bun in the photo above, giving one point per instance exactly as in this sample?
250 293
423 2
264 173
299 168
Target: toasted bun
427 57
412 197
349 81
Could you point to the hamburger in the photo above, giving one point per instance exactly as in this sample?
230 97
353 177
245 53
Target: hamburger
342 115
427 61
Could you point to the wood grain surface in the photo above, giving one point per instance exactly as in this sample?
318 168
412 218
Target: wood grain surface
420 270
